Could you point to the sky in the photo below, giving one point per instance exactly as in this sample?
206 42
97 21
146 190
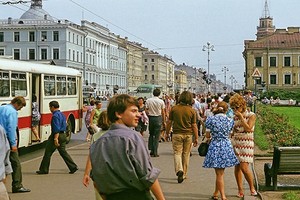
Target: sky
178 28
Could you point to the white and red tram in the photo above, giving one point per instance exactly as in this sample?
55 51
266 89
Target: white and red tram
48 83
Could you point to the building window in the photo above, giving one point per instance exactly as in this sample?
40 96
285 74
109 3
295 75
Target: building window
273 61
146 77
152 60
287 79
44 36
258 61
273 79
152 77
146 68
31 36
287 61
55 36
152 67
44 54
17 54
146 60
17 36
1 52
31 54
1 37
73 55
55 54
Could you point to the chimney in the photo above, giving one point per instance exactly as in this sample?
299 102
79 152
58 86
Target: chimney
9 20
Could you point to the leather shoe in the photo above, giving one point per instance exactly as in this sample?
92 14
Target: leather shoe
73 170
180 176
20 190
41 172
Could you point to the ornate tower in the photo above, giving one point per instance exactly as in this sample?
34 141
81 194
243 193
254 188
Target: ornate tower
265 23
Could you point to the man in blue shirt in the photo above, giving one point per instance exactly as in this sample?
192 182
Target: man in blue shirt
57 140
9 121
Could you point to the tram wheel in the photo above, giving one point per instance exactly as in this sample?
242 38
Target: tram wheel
69 131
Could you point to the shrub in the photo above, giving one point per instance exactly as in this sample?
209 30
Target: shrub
277 128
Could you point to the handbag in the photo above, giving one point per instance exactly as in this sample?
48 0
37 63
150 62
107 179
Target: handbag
203 148
91 130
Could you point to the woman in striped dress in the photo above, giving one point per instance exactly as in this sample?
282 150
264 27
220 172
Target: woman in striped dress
243 142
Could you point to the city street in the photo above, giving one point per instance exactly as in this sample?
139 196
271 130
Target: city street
59 184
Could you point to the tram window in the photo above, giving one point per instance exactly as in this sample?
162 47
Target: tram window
18 84
49 85
61 85
4 84
72 86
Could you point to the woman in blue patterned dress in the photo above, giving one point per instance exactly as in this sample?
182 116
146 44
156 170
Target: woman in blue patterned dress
220 153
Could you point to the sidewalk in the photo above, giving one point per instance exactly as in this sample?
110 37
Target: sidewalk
201 181
58 184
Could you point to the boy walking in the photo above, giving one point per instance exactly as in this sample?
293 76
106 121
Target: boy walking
121 167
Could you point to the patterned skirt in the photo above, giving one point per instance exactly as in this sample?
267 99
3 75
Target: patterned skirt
243 145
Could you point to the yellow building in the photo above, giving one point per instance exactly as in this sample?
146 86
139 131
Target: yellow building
273 58
134 70
158 70
181 83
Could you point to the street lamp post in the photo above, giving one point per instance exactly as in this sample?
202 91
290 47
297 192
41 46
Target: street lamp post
209 48
232 81
225 69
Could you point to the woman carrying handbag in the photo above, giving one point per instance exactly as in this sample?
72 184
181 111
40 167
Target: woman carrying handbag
220 153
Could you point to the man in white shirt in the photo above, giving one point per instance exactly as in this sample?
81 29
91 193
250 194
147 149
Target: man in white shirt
155 108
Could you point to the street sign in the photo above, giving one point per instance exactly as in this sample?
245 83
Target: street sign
256 73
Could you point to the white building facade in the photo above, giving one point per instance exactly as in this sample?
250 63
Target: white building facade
89 47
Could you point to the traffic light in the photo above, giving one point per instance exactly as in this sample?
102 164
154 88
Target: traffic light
204 75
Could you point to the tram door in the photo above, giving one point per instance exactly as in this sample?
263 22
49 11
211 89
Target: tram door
35 99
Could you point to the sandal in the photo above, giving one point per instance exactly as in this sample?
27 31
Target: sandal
240 195
254 193
214 197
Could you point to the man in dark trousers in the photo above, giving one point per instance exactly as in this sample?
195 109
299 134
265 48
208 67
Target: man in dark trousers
9 121
155 108
57 140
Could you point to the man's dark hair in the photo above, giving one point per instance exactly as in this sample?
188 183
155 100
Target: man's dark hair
118 104
55 104
156 92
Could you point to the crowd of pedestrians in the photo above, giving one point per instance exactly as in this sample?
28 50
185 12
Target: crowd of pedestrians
126 172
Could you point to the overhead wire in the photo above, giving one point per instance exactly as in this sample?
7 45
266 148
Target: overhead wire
12 4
